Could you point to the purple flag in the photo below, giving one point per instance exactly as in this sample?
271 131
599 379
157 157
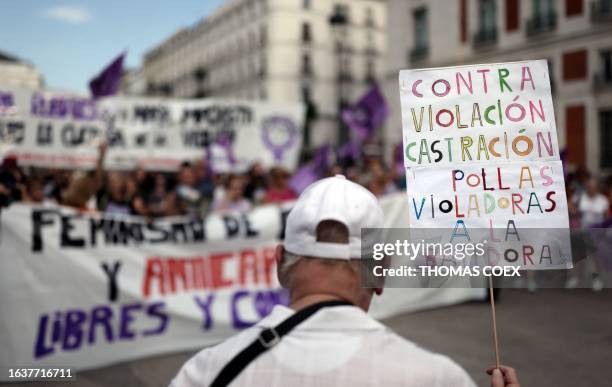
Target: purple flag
349 150
321 159
312 171
303 178
367 114
398 159
108 81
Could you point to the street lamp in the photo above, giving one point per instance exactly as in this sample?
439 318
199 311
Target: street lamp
339 23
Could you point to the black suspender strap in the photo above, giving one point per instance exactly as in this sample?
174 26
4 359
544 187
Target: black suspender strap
267 339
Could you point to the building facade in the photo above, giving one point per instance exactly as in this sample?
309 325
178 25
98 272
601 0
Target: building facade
575 36
323 53
15 72
133 83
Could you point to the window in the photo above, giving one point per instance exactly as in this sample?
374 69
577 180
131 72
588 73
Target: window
370 71
370 38
488 15
421 39
512 15
463 21
543 8
306 4
306 65
575 65
262 66
342 10
605 135
369 22
544 17
486 34
306 34
575 132
606 66
573 7
263 35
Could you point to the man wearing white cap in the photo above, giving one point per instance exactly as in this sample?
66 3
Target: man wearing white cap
325 338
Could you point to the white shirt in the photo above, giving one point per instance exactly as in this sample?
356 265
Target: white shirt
337 346
593 209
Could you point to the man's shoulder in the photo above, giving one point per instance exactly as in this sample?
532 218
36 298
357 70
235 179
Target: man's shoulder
438 369
202 367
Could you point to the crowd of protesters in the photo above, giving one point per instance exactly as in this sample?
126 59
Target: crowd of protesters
193 190
196 191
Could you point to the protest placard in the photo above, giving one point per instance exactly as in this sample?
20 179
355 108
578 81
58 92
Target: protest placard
481 153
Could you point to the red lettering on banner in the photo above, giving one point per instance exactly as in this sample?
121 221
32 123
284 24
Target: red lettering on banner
248 266
218 263
170 275
269 258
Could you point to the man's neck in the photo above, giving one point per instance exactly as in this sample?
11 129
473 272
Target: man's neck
310 299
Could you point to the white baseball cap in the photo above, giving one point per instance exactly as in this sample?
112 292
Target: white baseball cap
333 198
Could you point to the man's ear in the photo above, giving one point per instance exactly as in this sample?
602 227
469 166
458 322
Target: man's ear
386 262
279 255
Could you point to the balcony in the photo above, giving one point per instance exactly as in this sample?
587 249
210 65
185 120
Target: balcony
542 23
418 54
601 83
485 38
601 11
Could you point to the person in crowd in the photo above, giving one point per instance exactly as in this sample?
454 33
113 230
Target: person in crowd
579 179
187 198
115 199
378 181
232 197
593 205
572 208
204 181
12 182
57 182
157 201
35 191
325 337
139 185
257 184
83 188
279 190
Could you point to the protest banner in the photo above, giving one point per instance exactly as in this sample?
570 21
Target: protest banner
52 129
85 290
481 153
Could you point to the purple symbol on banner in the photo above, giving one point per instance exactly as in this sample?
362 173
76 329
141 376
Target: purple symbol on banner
6 102
279 134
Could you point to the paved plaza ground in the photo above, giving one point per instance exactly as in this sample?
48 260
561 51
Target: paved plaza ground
554 337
